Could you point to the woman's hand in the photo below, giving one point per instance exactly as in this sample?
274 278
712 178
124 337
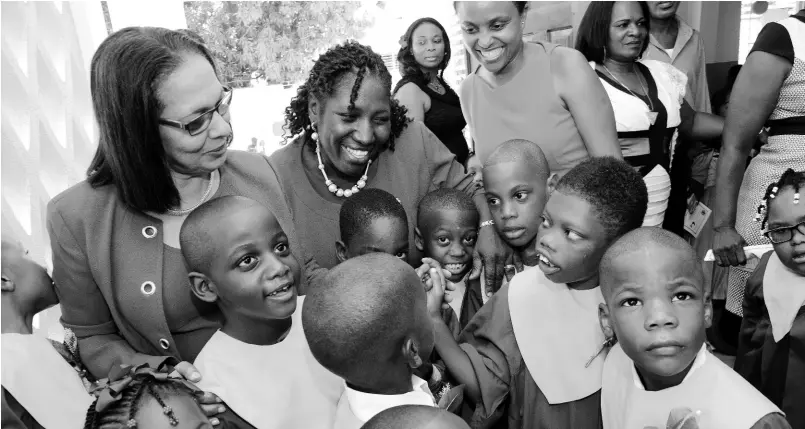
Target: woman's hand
728 247
209 403
491 253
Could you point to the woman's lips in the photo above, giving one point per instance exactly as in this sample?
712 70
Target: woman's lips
490 55
356 155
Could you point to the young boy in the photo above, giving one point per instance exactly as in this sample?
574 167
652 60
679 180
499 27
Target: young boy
447 229
516 178
370 327
372 220
658 309
532 354
259 363
415 417
39 387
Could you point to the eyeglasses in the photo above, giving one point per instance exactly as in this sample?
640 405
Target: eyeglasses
201 122
786 233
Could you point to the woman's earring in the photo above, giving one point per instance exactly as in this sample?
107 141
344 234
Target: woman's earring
314 135
605 52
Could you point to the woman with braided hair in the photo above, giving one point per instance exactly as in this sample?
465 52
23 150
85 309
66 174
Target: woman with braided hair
348 134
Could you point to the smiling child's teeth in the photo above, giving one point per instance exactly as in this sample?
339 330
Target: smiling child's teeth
279 291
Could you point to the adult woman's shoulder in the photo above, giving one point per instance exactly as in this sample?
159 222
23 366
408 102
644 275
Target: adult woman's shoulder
669 75
81 202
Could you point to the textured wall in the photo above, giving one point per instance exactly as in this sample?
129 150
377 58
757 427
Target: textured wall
48 129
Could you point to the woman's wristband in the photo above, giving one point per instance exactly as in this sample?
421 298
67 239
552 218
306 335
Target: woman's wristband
487 223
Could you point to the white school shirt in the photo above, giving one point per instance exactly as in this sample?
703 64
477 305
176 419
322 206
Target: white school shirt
271 387
356 408
36 375
717 395
557 332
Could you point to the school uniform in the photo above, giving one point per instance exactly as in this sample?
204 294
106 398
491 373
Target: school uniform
39 388
529 346
771 350
356 408
468 297
276 386
712 393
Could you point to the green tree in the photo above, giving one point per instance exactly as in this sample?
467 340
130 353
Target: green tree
276 41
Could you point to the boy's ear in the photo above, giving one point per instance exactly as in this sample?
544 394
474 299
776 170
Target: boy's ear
410 352
553 179
603 319
418 241
708 310
341 251
203 288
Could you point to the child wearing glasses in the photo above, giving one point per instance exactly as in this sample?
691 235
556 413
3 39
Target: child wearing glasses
771 350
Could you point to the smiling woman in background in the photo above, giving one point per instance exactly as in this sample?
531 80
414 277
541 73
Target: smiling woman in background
424 54
539 92
351 135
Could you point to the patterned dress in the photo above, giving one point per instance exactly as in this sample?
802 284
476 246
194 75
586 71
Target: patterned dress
785 148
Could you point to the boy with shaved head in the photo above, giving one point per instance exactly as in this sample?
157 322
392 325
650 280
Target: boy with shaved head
415 417
660 372
370 326
259 363
516 178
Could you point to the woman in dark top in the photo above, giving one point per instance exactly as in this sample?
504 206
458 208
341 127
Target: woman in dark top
424 54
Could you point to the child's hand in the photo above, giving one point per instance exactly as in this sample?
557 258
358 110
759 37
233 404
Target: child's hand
435 287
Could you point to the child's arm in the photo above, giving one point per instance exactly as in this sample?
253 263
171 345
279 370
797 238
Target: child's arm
456 360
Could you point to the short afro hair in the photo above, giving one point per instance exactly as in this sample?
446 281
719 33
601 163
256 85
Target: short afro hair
643 238
444 199
519 150
195 240
415 417
593 32
359 210
614 188
356 326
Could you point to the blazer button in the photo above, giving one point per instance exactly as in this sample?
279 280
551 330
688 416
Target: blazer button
149 231
164 343
148 288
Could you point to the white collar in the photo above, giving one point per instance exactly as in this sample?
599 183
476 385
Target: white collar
367 405
783 294
698 362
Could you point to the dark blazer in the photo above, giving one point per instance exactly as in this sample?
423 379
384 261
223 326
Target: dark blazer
104 251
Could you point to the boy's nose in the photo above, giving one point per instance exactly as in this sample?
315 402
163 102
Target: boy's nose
660 315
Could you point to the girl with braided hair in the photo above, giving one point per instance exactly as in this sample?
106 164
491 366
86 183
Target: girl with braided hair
151 395
770 348
347 133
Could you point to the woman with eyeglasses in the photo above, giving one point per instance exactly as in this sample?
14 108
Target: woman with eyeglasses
164 125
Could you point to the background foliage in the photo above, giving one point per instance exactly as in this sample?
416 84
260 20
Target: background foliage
275 41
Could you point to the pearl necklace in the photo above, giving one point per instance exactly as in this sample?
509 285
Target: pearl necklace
203 199
346 193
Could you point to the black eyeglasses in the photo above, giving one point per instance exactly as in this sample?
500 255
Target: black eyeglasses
200 123
786 233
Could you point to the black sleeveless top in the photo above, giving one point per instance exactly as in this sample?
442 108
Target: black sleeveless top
444 118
